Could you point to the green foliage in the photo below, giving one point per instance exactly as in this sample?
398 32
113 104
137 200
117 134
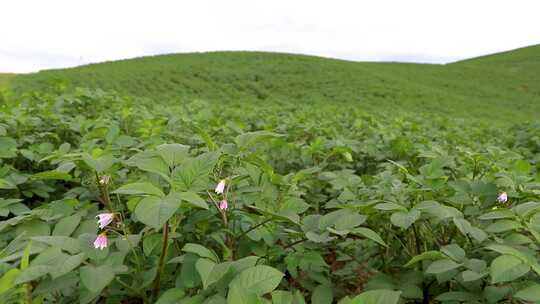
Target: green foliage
326 203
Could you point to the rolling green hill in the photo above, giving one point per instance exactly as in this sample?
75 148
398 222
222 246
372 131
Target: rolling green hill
493 88
4 79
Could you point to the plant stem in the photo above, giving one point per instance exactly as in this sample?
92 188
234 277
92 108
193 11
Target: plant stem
155 292
295 243
135 254
425 289
253 228
225 223
104 194
28 293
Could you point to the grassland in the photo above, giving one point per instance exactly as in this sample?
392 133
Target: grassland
4 79
498 88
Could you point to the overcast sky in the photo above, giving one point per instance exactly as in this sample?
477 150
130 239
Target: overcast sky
41 34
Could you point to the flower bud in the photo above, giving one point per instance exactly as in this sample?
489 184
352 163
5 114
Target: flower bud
220 187
502 198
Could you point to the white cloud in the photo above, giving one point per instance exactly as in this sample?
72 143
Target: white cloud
60 33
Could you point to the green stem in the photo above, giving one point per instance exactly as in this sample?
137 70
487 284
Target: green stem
225 223
295 243
155 292
104 196
28 293
132 247
253 228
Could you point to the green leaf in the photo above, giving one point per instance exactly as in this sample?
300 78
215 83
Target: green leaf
526 209
282 297
428 255
322 294
7 281
204 268
139 188
295 205
250 138
522 166
66 243
151 243
188 277
154 211
211 272
437 210
8 147
405 219
96 278
201 251
345 300
469 275
193 174
370 234
32 273
478 234
244 263
51 256
498 214
5 184
389 207
441 266
258 280
503 226
493 294
455 252
171 296
173 154
125 243
25 259
33 228
207 139
507 268
100 164
350 220
238 295
467 229
150 163
67 225
377 296
462 224
67 266
531 293
193 199
457 296
525 258
51 175
343 218
319 237
86 242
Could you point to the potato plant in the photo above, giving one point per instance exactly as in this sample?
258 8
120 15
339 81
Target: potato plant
114 199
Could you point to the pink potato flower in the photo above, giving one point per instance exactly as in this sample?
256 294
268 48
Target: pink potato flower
104 219
220 187
502 198
101 241
223 205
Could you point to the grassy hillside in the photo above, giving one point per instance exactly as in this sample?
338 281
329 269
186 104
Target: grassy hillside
4 78
492 88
